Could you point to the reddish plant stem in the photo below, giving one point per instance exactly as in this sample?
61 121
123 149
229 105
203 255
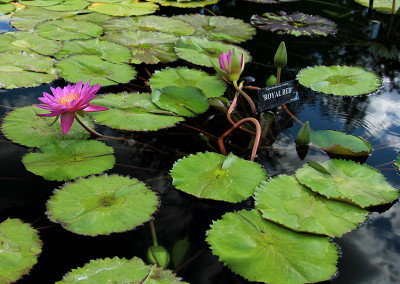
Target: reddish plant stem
246 96
237 124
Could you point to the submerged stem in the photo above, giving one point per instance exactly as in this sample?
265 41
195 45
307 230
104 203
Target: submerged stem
246 96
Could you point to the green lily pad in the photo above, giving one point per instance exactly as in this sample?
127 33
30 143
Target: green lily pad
6 9
150 23
92 17
285 201
147 46
265 252
271 1
215 176
100 205
184 101
339 80
29 17
24 127
20 247
348 181
66 29
27 69
297 24
69 5
117 270
384 6
211 86
201 51
69 159
124 8
340 143
40 3
90 67
185 4
106 50
27 41
135 112
219 27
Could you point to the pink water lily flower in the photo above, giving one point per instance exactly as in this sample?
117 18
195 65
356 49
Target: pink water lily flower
65 102
231 65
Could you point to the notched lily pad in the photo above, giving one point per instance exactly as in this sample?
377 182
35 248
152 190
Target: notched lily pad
340 80
185 3
29 17
132 111
101 205
215 176
262 251
20 247
297 24
219 27
69 5
117 270
285 201
340 143
124 8
211 86
348 181
24 127
69 159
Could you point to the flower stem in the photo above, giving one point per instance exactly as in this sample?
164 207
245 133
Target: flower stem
278 76
246 96
54 120
153 234
88 129
237 124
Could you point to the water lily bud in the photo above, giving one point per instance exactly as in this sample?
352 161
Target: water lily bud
271 81
304 135
158 255
179 252
280 58
231 65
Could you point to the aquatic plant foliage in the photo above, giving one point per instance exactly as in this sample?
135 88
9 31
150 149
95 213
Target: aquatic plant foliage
214 176
66 29
132 111
201 51
6 8
184 101
339 80
185 3
211 86
92 68
20 247
70 5
23 126
69 159
285 201
40 3
100 205
28 69
297 24
384 6
120 270
124 8
219 28
262 251
29 17
348 181
271 1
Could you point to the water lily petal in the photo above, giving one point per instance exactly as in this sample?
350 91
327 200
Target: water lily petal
95 108
67 118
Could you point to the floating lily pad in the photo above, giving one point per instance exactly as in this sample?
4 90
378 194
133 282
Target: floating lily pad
201 51
92 17
29 17
40 3
219 27
118 270
271 1
90 67
211 86
124 8
133 112
69 159
27 41
285 201
150 23
100 205
384 6
348 181
69 5
215 176
21 70
146 46
106 50
20 247
262 251
184 101
6 9
339 143
24 127
66 29
296 24
339 80
185 4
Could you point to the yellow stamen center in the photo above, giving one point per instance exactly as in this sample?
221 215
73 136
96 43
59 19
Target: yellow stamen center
66 99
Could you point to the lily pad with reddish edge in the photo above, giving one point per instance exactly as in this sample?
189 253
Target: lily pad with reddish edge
297 24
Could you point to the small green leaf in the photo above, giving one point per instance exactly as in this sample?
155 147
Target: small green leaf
158 255
179 252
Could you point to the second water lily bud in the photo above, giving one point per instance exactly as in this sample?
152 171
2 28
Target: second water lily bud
280 58
231 65
158 255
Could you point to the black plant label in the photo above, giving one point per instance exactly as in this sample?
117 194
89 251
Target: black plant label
277 95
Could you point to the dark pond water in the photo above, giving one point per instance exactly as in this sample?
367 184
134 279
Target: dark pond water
370 254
